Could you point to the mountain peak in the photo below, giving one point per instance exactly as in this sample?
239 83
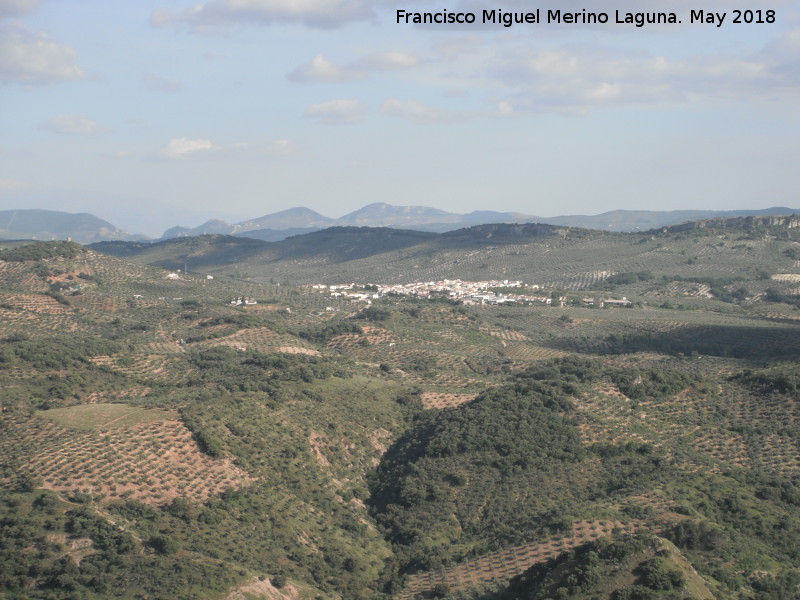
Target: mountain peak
380 214
55 224
299 216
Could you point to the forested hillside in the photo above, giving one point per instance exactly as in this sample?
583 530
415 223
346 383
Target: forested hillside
707 255
161 438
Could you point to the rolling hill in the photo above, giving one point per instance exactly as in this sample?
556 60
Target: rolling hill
159 441
51 224
558 257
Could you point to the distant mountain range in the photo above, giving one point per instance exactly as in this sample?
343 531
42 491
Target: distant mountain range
277 226
294 221
86 228
53 224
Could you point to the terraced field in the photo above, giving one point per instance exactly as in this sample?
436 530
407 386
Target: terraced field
705 422
112 451
442 400
145 367
260 339
505 564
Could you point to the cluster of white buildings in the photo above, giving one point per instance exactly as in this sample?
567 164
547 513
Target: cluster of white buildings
468 292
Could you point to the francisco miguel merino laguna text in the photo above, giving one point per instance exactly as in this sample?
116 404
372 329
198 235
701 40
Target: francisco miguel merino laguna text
584 17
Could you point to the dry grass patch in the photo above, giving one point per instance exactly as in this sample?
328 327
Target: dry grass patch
318 443
262 589
109 397
297 350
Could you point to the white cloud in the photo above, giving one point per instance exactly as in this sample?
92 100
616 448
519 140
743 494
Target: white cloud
321 70
554 62
16 8
579 79
183 147
337 111
72 124
604 91
31 57
322 14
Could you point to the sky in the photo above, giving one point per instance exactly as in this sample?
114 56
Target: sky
158 113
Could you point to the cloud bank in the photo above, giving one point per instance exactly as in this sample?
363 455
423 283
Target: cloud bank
73 124
178 148
321 70
32 58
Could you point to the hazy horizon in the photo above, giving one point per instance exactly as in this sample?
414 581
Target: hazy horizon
125 226
157 113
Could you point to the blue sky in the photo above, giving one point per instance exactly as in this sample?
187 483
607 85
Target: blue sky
162 112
